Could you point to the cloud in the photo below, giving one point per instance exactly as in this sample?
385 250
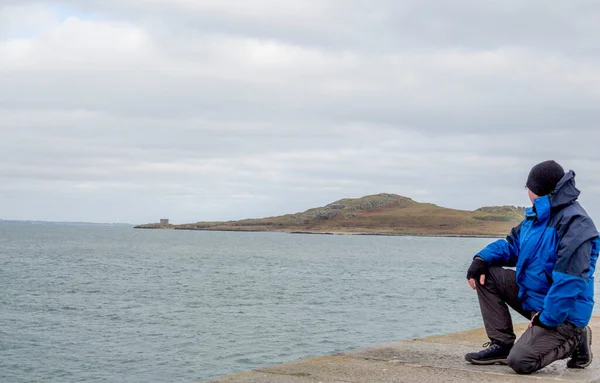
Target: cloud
203 110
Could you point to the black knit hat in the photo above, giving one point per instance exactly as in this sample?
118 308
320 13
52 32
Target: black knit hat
544 176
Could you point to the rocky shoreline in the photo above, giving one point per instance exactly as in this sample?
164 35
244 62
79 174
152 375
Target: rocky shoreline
383 234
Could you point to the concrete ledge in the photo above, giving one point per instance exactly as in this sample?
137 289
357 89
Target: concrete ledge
431 359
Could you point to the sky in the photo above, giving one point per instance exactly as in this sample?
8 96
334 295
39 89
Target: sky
196 110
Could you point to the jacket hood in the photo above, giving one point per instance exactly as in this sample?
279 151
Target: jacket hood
566 192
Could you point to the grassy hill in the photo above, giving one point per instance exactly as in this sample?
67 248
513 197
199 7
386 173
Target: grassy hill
389 214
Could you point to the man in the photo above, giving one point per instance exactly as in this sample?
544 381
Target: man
554 250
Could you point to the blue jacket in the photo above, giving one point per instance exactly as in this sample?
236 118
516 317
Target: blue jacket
554 250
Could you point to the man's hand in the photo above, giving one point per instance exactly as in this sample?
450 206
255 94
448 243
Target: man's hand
535 321
477 271
532 319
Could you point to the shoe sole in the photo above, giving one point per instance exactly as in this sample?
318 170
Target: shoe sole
487 361
589 334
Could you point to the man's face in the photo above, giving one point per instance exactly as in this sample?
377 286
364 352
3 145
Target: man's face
532 196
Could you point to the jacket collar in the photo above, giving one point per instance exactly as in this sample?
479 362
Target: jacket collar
565 194
541 208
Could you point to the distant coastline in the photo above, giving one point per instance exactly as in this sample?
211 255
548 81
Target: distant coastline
380 214
30 222
383 234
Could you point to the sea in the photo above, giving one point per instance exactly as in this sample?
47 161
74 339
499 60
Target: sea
114 304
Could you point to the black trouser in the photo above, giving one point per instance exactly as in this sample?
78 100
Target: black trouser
537 347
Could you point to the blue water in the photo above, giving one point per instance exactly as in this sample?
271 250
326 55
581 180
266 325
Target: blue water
107 304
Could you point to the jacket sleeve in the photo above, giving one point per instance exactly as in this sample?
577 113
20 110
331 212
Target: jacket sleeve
503 252
569 276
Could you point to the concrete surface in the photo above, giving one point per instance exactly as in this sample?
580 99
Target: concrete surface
431 359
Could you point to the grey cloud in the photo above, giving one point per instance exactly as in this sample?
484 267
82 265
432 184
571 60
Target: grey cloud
376 25
132 110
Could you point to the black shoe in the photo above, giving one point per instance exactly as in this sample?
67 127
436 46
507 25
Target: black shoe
582 356
494 353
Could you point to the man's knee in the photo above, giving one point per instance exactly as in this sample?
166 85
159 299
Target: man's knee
497 272
493 275
520 363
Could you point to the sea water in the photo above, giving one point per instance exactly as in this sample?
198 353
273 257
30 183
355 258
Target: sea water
114 304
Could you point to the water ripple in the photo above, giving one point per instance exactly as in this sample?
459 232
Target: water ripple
93 304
